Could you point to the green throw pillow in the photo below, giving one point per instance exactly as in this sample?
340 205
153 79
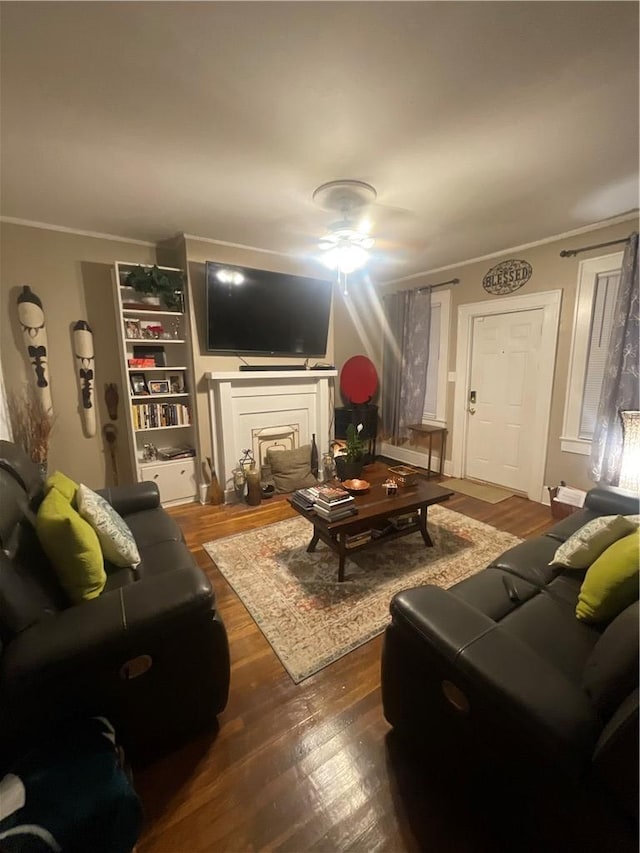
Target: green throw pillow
612 582
72 546
586 544
65 485
116 539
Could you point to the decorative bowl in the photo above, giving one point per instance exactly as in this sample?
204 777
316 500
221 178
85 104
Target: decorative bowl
267 490
356 487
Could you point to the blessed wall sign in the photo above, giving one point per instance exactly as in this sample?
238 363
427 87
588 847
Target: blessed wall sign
507 276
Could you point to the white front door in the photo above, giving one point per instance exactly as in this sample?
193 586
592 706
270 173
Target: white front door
503 371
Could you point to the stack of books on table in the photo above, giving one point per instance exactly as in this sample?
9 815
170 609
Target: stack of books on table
333 503
329 502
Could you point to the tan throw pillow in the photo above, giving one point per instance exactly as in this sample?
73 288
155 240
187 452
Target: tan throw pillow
291 469
587 543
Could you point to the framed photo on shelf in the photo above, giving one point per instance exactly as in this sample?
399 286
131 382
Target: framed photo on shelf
132 329
176 381
138 385
158 386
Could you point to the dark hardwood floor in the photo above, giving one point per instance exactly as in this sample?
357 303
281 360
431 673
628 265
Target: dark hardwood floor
308 766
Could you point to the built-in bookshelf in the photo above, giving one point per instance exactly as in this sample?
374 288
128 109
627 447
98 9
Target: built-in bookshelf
157 380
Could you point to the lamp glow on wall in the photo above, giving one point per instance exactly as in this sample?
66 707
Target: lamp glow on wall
345 250
630 465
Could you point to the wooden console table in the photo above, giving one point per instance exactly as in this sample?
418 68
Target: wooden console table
430 431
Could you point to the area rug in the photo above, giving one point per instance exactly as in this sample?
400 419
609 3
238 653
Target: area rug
309 618
481 491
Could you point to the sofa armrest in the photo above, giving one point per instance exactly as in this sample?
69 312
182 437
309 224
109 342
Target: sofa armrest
109 629
128 499
612 501
513 694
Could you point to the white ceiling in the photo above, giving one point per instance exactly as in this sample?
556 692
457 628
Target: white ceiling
494 124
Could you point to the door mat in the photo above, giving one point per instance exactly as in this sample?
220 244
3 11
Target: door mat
309 618
481 491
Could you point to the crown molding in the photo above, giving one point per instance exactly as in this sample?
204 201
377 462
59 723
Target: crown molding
46 226
240 246
614 220
585 229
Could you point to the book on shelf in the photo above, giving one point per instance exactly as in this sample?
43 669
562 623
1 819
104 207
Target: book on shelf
141 362
154 353
358 539
169 453
154 415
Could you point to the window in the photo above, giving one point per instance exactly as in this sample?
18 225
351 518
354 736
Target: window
436 392
598 280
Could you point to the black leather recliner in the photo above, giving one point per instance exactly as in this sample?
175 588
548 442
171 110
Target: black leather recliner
500 662
150 653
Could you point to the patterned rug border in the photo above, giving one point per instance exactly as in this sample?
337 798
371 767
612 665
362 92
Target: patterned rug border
283 585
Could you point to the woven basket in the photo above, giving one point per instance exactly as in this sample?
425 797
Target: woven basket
403 475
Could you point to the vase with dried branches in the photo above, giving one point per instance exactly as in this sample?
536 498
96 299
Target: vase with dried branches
31 425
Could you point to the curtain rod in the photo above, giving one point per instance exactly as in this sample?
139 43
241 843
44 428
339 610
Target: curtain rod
440 284
571 253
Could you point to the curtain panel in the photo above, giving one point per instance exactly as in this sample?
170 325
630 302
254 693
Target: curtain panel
405 360
620 385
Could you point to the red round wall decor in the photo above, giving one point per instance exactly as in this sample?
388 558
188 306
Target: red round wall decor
358 379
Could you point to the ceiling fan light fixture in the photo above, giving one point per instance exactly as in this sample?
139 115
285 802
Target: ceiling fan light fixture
345 258
345 248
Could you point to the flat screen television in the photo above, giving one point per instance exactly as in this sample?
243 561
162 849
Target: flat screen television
266 313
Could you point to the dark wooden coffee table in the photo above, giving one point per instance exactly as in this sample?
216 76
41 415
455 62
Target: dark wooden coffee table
373 508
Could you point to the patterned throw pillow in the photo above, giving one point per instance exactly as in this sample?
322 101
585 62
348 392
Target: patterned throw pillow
116 539
587 543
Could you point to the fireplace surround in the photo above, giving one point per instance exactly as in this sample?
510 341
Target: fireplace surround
261 409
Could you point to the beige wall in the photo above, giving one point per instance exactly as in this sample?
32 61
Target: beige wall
550 272
72 276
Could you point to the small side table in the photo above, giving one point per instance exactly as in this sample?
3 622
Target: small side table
430 431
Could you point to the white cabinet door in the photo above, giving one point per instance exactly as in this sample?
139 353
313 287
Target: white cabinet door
175 480
504 360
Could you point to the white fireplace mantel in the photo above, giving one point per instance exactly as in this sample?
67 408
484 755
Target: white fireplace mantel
243 402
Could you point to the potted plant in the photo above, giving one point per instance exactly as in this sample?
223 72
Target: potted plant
166 285
350 462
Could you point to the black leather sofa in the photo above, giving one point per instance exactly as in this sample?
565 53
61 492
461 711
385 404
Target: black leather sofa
499 665
150 653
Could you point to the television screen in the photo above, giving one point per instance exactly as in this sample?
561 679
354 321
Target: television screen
266 313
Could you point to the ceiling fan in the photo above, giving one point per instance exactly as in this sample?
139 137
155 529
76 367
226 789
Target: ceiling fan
346 244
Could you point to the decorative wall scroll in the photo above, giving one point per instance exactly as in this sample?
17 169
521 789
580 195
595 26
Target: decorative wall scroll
110 434
112 398
31 317
507 276
85 358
